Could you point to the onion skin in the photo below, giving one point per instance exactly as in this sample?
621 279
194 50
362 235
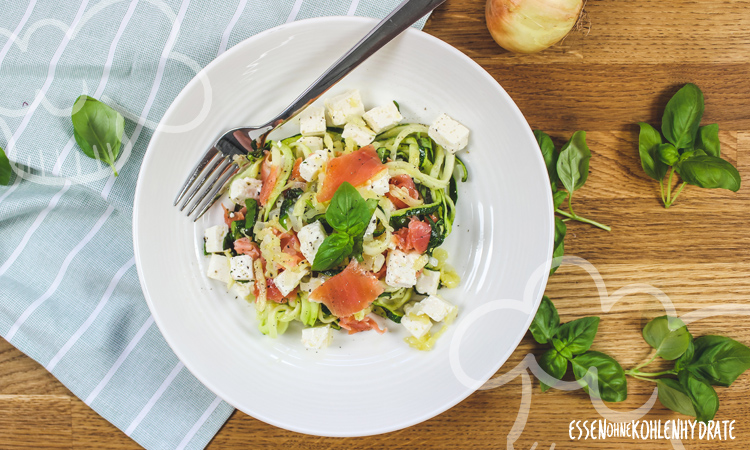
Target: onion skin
530 26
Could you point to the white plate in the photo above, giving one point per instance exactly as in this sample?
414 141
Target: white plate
366 383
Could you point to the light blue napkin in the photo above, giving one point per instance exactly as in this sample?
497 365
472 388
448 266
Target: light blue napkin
69 292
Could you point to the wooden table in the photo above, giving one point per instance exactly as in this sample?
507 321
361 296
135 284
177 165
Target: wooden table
636 55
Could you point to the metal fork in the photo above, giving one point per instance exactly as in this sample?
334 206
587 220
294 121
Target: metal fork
209 177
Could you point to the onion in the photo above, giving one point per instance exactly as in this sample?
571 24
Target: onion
530 26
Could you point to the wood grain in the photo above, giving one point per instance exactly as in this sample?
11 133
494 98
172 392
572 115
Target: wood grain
620 72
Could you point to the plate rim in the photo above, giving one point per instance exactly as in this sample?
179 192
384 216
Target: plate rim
149 155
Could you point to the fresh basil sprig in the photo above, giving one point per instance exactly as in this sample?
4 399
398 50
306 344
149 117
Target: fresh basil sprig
569 167
5 169
98 129
691 150
571 343
348 214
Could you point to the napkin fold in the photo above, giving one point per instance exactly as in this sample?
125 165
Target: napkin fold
69 291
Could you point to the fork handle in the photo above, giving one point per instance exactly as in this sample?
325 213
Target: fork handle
401 18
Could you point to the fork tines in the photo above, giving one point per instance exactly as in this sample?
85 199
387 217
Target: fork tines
206 182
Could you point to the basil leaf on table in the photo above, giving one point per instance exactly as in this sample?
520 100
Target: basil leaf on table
674 396
548 153
332 251
682 116
558 197
708 140
573 162
648 142
545 322
609 384
348 212
5 169
719 359
686 357
710 172
554 364
559 250
701 394
97 129
669 340
667 154
578 335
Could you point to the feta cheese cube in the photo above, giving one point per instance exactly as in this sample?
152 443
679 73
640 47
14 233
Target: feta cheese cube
383 118
312 121
343 106
379 184
218 268
318 337
215 238
310 167
241 268
449 133
401 272
434 307
310 237
312 284
287 280
417 325
244 188
360 135
242 290
428 282
314 143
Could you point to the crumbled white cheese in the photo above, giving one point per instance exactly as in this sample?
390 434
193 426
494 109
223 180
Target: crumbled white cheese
311 236
312 284
379 184
428 282
241 268
312 121
433 306
449 133
383 118
417 325
362 136
311 165
287 280
245 188
401 272
218 268
215 238
314 143
242 290
341 107
318 337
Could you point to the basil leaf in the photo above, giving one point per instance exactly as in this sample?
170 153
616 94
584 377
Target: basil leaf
611 385
719 359
554 364
710 172
97 129
251 216
573 162
648 141
348 212
559 345
332 251
669 339
559 250
578 335
558 198
702 396
549 154
708 140
667 154
545 322
674 396
686 357
5 169
682 116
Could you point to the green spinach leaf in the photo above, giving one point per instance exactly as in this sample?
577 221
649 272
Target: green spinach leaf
97 129
682 116
609 384
648 142
545 322
5 169
710 172
573 162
